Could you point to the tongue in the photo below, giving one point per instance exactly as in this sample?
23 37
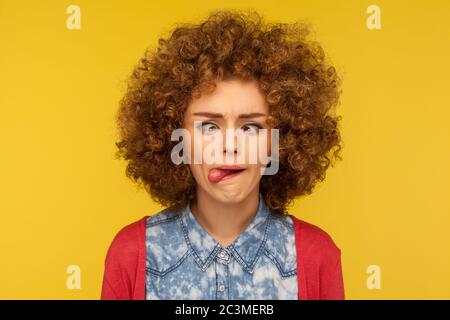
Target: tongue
215 175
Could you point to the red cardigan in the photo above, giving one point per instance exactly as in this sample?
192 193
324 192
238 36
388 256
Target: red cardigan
319 271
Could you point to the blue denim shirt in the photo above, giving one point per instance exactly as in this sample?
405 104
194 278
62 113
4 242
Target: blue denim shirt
185 262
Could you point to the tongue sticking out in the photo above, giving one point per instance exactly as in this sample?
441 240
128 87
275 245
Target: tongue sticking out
215 175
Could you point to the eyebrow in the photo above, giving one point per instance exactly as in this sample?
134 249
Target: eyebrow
219 115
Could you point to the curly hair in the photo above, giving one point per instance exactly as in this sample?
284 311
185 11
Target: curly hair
301 89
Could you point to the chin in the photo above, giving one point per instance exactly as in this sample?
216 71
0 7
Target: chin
230 196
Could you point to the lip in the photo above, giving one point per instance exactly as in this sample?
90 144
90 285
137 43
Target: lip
229 167
230 176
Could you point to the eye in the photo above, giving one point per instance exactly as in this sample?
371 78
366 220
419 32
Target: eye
208 128
251 128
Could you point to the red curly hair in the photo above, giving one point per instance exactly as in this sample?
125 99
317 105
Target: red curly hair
301 89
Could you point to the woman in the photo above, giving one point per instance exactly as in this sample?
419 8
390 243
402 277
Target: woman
225 233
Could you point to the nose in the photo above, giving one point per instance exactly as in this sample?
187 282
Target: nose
231 142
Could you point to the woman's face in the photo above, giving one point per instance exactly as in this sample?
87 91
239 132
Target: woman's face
234 105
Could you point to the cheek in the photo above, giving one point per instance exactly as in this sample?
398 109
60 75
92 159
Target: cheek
195 145
197 172
253 173
257 148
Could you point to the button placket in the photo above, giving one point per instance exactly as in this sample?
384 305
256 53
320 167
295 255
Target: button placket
222 259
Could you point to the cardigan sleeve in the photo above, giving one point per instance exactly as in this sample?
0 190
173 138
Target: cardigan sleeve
331 279
123 263
320 260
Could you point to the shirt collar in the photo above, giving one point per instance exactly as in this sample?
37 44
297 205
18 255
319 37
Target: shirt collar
246 248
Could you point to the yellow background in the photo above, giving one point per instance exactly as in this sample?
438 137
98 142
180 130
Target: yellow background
64 196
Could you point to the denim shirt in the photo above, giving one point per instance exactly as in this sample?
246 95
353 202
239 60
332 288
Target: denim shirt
185 262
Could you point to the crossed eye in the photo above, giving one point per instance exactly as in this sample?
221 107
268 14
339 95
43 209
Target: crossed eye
211 128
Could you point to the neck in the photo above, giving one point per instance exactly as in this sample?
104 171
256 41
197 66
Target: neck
224 221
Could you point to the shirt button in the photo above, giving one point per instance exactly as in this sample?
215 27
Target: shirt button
223 255
221 287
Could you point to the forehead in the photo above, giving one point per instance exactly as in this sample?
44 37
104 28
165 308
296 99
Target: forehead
231 97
